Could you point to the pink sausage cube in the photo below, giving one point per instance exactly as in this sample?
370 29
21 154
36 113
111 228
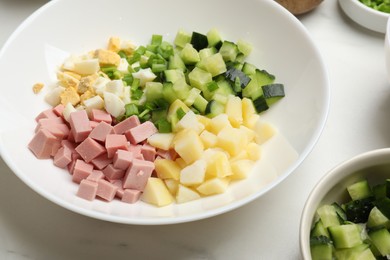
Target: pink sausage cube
80 125
87 189
63 157
98 115
141 132
93 124
126 124
48 113
122 159
100 132
130 195
119 184
42 144
113 173
89 149
96 175
101 161
137 175
81 170
106 190
115 142
148 152
59 109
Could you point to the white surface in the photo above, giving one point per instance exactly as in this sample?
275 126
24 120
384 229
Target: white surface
364 15
372 165
33 228
299 67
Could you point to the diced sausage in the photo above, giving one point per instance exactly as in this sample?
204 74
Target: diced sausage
80 125
141 132
87 189
126 124
89 149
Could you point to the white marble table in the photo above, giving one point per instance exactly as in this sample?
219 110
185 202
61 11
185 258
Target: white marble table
32 227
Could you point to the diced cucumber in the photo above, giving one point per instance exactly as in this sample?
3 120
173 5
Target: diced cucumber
153 90
376 219
328 215
189 55
321 248
345 236
176 62
229 51
207 52
383 205
388 188
234 74
181 88
172 75
273 92
214 64
381 239
214 108
192 95
182 38
168 92
214 38
260 104
249 69
379 191
319 229
359 252
264 78
200 103
199 78
253 90
359 190
244 47
199 41
358 210
340 212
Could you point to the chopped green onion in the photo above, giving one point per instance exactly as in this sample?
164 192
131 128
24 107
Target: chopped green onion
180 113
163 125
211 86
156 39
131 109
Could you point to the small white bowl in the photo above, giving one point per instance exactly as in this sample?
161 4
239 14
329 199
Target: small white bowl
373 165
364 15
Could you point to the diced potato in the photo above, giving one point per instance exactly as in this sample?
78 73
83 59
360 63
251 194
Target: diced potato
218 165
248 109
174 107
172 185
193 174
181 162
248 134
251 121
189 121
231 140
243 154
185 194
204 120
233 109
161 140
156 193
213 186
241 168
167 169
188 145
218 122
253 151
209 139
264 131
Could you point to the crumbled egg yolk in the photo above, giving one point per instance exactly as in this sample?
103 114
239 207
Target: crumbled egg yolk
38 87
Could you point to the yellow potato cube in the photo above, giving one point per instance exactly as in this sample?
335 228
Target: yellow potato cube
209 139
185 194
188 145
218 165
218 122
241 168
231 140
181 162
204 120
161 140
248 134
253 151
251 121
213 186
233 109
167 169
172 185
248 109
264 131
193 174
243 154
156 193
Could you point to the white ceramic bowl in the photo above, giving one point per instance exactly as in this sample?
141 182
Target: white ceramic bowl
281 45
372 165
364 15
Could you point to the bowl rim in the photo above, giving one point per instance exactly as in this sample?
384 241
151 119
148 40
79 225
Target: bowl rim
371 10
327 182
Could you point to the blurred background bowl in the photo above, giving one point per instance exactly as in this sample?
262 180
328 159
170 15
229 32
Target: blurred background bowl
298 7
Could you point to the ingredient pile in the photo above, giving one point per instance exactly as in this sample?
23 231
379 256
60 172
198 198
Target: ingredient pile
162 122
